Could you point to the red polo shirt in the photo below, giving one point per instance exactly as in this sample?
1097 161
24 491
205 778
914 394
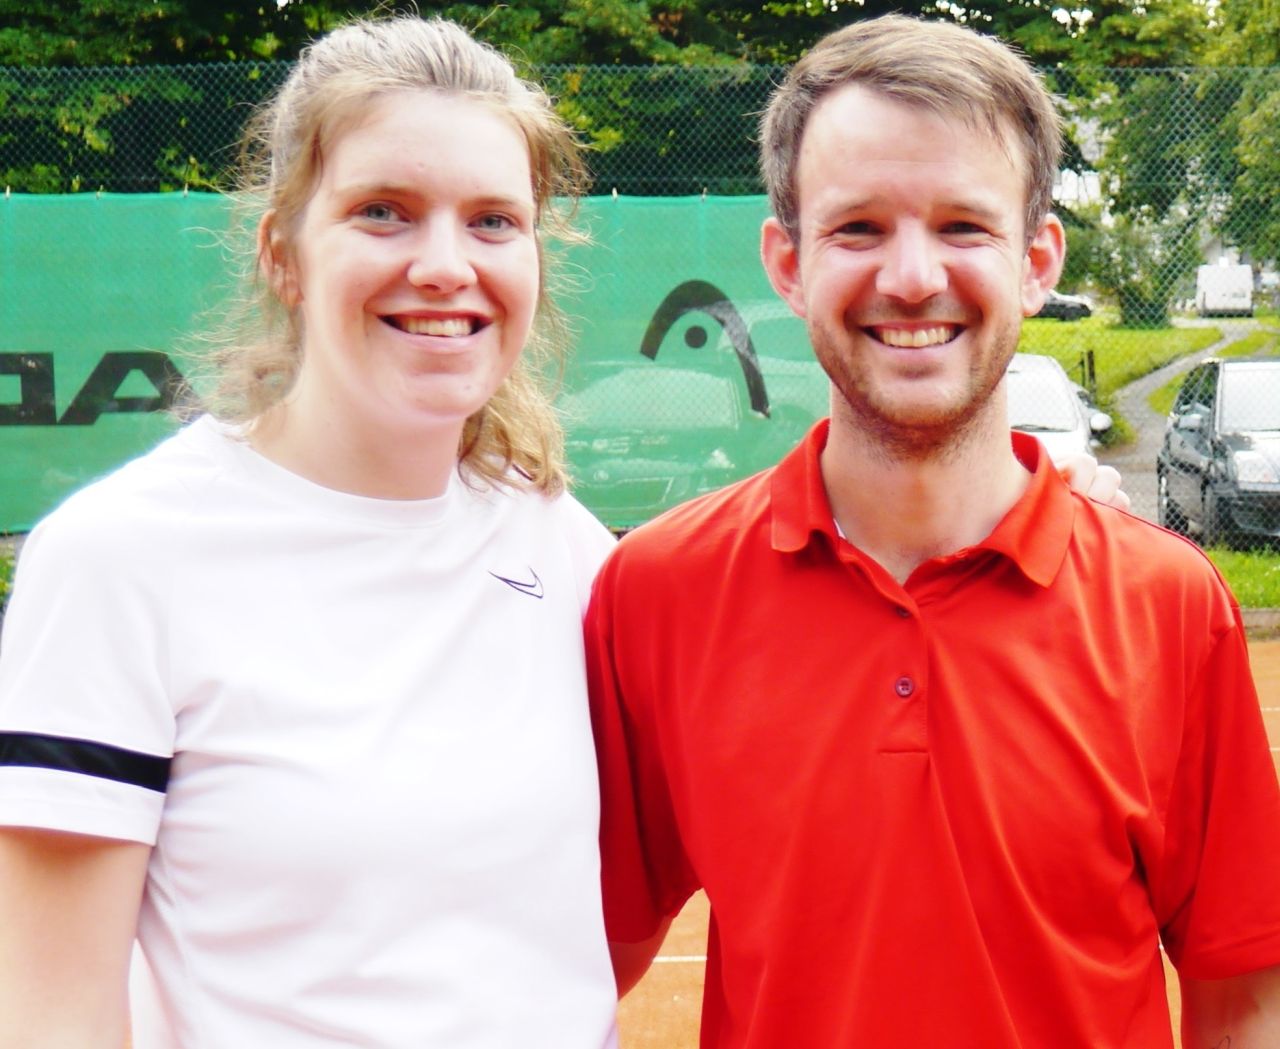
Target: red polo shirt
961 812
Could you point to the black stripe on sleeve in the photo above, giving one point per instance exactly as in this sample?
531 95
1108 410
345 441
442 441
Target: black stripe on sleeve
33 750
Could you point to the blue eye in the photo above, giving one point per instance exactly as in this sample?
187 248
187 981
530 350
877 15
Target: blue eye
379 212
494 223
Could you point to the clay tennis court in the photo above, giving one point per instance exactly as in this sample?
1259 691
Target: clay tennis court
662 1012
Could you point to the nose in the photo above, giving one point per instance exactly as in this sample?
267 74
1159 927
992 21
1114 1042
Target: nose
912 269
441 261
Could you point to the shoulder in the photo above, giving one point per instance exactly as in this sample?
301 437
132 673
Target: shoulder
1152 566
588 542
134 507
705 534
519 506
128 532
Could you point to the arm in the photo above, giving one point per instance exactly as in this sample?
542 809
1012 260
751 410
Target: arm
1089 477
1241 1012
68 911
632 960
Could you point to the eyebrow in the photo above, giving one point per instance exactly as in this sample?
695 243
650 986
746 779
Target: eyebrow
404 189
990 213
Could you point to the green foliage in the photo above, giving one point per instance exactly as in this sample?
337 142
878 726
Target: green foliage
1245 34
1253 575
561 32
138 129
1139 261
654 133
605 32
1254 216
147 32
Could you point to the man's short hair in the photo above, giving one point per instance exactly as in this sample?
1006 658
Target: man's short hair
938 66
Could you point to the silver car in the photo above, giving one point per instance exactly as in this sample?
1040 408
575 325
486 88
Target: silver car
1044 401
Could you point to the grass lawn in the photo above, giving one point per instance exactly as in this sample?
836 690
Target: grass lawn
1253 575
1120 355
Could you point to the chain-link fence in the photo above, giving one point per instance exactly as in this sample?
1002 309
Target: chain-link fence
1170 190
655 131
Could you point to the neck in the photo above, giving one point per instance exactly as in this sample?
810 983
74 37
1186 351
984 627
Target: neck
902 503
349 459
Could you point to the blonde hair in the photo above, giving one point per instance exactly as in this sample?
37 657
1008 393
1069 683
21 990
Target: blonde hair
945 68
282 149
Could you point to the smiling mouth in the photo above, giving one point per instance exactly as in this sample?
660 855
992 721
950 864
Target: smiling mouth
446 327
914 338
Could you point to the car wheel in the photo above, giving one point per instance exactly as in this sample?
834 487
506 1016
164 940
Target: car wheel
1215 529
1167 513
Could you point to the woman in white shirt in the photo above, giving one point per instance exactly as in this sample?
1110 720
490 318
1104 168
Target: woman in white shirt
296 699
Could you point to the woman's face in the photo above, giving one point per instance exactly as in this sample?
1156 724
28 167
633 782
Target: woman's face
414 270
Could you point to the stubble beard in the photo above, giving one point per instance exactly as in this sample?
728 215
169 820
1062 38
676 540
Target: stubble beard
897 434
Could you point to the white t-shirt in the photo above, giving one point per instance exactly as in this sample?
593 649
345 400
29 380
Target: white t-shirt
378 824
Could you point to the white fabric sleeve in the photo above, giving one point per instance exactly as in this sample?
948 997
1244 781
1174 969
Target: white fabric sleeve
86 723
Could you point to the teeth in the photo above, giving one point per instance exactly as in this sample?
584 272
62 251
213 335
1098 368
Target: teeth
915 338
447 326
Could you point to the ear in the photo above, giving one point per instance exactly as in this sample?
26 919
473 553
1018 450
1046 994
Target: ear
781 259
1043 264
275 262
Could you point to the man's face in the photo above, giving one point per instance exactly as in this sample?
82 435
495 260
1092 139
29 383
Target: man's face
911 269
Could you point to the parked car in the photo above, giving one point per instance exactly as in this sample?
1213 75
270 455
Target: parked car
1218 469
644 438
1065 307
645 433
1044 401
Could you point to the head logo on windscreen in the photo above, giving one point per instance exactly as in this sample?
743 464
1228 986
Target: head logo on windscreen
703 296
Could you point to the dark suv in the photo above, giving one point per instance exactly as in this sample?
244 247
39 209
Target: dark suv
1218 471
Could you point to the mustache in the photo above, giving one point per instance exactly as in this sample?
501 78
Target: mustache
931 312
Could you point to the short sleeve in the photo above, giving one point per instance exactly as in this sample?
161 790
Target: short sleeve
86 725
1216 890
646 875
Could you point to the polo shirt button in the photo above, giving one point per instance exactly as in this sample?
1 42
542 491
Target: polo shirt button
904 686
903 613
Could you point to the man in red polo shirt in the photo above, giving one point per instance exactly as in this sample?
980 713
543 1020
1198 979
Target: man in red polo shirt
953 751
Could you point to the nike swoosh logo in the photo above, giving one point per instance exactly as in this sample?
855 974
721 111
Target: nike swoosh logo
532 588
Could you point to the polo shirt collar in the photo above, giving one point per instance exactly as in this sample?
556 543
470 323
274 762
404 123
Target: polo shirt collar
1034 534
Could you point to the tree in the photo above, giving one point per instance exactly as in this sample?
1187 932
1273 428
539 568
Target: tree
1249 36
144 32
63 130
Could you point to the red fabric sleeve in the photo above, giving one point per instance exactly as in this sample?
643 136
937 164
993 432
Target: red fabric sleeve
1216 891
645 873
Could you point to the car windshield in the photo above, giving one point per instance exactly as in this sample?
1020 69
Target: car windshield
650 396
1040 400
1250 399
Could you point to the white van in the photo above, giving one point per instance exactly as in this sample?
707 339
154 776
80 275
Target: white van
1224 291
